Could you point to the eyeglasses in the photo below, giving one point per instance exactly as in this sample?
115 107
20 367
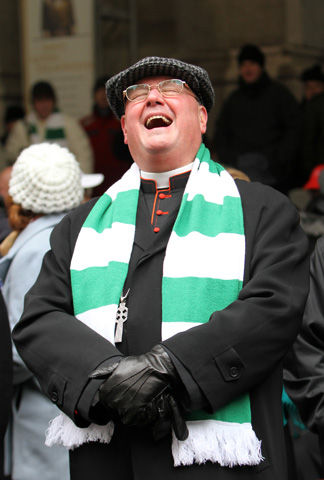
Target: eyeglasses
167 88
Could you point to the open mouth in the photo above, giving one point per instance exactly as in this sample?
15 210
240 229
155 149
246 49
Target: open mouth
157 121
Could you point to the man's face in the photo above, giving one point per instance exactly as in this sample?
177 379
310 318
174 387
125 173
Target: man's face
44 107
163 133
250 71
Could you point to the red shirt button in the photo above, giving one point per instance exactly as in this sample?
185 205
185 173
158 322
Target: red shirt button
159 212
162 195
156 230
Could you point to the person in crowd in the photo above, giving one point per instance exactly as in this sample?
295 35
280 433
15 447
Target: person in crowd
304 366
5 228
313 119
311 209
304 462
45 183
111 155
163 310
9 236
313 82
315 187
46 123
258 129
12 114
5 377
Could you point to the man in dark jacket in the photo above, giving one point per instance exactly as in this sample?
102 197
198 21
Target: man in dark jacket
304 367
313 117
258 129
163 310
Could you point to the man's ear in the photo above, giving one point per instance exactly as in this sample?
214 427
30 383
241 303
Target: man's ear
203 118
124 129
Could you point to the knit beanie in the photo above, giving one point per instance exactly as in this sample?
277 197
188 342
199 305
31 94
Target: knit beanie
46 178
251 52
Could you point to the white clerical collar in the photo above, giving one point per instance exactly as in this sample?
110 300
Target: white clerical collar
162 178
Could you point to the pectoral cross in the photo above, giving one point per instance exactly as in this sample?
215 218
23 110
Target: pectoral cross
121 317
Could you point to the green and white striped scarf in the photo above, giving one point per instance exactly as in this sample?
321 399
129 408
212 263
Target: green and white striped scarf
53 129
210 224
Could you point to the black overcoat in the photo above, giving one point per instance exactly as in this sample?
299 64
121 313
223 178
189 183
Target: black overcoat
252 334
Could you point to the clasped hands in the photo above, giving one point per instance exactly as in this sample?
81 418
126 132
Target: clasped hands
138 389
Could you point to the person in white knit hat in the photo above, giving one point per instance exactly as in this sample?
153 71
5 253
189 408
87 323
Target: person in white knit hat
44 185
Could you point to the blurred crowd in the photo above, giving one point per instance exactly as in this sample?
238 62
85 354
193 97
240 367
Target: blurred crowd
263 133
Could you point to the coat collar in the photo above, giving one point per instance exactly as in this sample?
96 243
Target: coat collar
170 182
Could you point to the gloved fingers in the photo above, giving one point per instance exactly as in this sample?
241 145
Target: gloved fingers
141 418
104 372
130 389
138 413
158 408
163 413
168 414
131 386
161 425
177 418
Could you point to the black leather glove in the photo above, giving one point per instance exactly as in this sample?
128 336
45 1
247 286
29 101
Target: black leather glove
137 389
168 413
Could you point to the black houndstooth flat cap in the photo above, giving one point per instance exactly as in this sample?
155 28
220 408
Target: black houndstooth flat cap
196 77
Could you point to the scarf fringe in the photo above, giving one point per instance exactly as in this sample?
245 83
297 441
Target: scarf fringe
225 443
229 444
62 431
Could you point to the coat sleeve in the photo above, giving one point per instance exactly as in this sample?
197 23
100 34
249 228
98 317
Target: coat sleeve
241 345
304 364
59 349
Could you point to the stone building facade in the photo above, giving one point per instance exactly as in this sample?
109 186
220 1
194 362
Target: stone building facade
208 33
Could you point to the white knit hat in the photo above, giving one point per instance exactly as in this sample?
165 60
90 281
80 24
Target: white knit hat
46 178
